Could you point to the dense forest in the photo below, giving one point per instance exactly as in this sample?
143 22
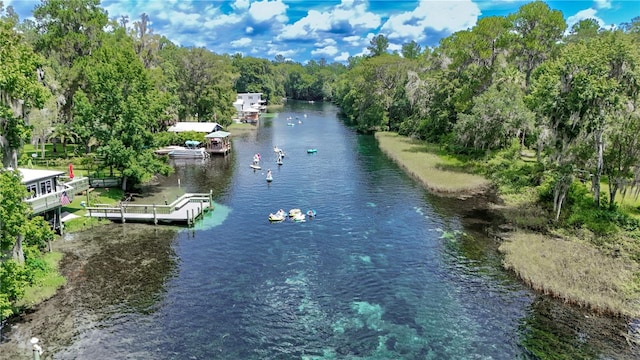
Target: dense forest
508 84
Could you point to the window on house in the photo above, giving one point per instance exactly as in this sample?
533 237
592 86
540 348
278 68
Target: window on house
45 187
32 189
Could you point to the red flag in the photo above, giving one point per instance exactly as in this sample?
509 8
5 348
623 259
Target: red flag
71 171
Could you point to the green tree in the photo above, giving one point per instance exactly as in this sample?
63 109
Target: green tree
115 100
538 30
22 235
70 30
257 76
579 94
584 29
411 50
378 45
498 116
20 90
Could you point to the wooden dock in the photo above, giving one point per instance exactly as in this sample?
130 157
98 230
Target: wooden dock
184 210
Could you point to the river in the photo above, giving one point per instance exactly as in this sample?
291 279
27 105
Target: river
385 270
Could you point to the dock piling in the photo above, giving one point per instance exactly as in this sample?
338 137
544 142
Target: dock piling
155 215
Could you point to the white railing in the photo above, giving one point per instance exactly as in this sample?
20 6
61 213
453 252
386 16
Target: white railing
50 201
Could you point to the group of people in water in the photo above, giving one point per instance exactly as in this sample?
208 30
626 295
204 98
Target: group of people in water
257 158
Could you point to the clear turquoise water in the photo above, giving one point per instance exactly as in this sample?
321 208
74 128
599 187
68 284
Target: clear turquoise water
385 270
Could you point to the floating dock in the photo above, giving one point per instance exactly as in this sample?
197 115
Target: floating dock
184 210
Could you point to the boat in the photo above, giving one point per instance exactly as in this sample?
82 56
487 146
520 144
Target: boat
255 167
279 162
190 151
312 151
290 124
269 178
278 216
311 213
294 212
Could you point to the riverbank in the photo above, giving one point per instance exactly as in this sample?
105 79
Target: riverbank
560 265
444 176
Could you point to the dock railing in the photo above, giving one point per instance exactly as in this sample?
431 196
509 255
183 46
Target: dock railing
125 207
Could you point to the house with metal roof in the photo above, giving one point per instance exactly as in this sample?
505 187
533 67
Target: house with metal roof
50 190
201 127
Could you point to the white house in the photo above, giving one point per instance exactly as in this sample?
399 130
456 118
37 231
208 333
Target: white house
202 127
48 193
246 101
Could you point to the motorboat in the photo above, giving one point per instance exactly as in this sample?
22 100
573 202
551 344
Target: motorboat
191 150
312 151
298 217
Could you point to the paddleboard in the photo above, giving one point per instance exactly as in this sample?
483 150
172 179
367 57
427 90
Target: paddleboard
255 167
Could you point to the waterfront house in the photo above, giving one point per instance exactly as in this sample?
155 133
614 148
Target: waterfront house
246 101
201 127
50 190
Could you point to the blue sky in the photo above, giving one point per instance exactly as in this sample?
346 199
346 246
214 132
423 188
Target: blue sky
334 30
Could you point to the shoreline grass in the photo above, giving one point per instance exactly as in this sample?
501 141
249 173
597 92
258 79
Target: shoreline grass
563 266
435 172
575 272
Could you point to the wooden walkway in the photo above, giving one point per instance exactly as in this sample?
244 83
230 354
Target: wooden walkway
184 210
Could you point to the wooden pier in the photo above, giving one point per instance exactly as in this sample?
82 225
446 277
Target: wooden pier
184 210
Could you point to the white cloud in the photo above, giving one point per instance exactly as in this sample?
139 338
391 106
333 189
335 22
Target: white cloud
221 20
274 51
325 42
344 56
248 30
603 4
394 47
354 40
241 4
355 15
327 50
583 15
306 26
240 42
267 10
447 16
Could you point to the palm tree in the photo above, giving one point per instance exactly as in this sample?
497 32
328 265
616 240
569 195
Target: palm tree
64 134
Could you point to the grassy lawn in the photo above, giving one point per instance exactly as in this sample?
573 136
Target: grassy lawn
239 129
97 196
439 173
46 283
